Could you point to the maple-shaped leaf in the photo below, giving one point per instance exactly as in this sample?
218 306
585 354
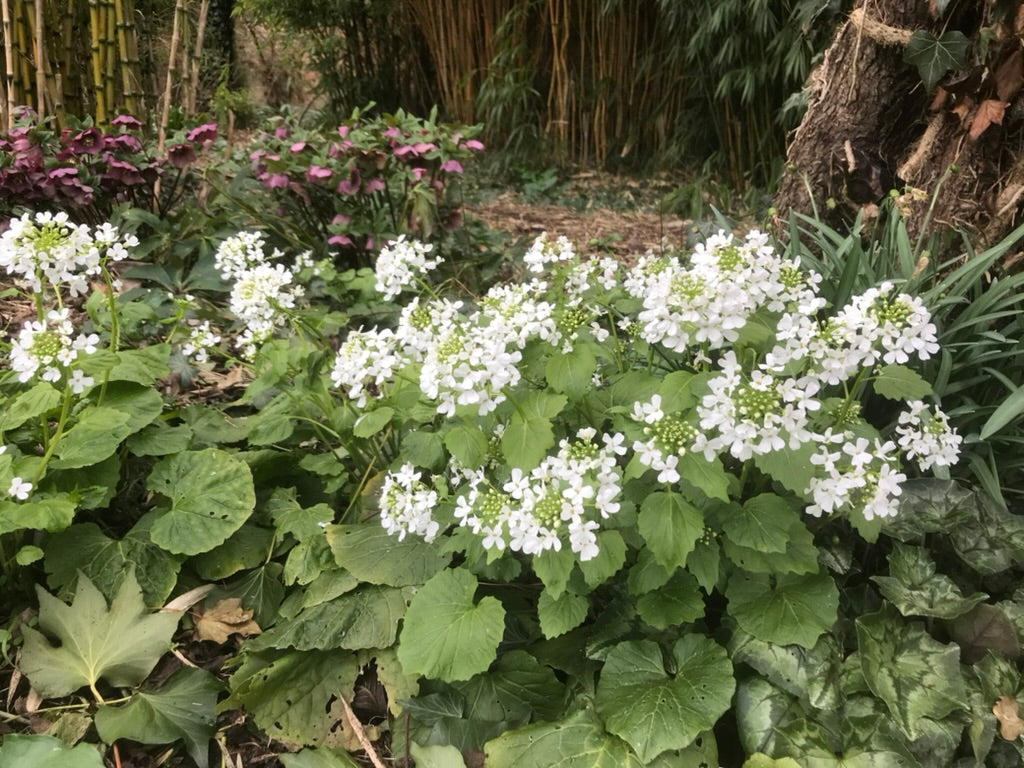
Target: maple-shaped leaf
1010 725
120 643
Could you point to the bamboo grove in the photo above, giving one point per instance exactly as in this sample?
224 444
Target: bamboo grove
96 58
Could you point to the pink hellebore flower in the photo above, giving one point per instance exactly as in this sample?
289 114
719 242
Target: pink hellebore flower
375 184
126 121
318 173
472 144
451 166
181 155
274 180
297 147
203 133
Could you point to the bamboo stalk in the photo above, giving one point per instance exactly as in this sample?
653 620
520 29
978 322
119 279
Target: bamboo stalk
24 52
96 61
172 70
9 64
197 55
109 55
40 58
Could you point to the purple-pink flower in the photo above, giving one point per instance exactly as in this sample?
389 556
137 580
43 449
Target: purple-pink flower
203 133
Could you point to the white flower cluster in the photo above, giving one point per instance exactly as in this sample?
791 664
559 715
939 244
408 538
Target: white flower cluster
400 263
365 363
262 293
49 348
406 505
879 325
47 247
706 302
201 339
927 437
543 252
565 497
862 474
668 439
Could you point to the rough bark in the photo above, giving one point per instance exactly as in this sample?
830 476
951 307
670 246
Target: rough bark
872 126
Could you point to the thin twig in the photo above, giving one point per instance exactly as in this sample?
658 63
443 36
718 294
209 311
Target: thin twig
357 728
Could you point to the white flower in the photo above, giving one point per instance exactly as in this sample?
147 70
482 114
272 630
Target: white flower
19 489
407 504
400 263
239 254
925 435
201 340
47 348
79 382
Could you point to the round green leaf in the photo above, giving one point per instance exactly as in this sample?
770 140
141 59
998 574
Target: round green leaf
671 526
372 422
796 609
445 635
654 711
560 614
211 495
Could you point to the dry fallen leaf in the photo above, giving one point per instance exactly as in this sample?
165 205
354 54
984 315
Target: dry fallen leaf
1010 725
989 111
225 618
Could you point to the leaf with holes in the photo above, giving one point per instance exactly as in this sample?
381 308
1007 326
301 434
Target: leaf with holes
120 643
654 711
182 709
445 634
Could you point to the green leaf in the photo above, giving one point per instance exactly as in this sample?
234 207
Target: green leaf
671 526
993 541
211 495
578 741
930 505
811 674
372 422
935 56
529 433
916 590
761 760
121 644
763 523
610 558
790 468
142 366
897 382
38 751
984 628
468 444
676 392
704 563
97 434
445 635
371 555
289 695
436 756
646 574
1009 410
40 399
53 514
558 615
158 439
526 688
290 517
795 609
365 618
424 449
801 555
707 476
246 548
554 568
262 591
764 714
678 602
571 372
655 712
906 668
318 758
182 709
105 561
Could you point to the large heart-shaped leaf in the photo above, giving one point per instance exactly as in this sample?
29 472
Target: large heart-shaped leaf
915 675
654 711
372 555
916 589
445 634
211 495
935 56
182 709
120 644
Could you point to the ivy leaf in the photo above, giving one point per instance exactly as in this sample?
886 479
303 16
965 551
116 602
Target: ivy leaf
655 712
935 56
445 635
38 751
897 382
121 643
370 554
916 590
671 526
794 609
289 695
211 495
578 741
916 676
182 709
558 615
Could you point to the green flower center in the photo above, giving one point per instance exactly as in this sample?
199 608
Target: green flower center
46 345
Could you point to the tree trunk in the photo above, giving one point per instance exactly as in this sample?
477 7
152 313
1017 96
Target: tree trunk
872 125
